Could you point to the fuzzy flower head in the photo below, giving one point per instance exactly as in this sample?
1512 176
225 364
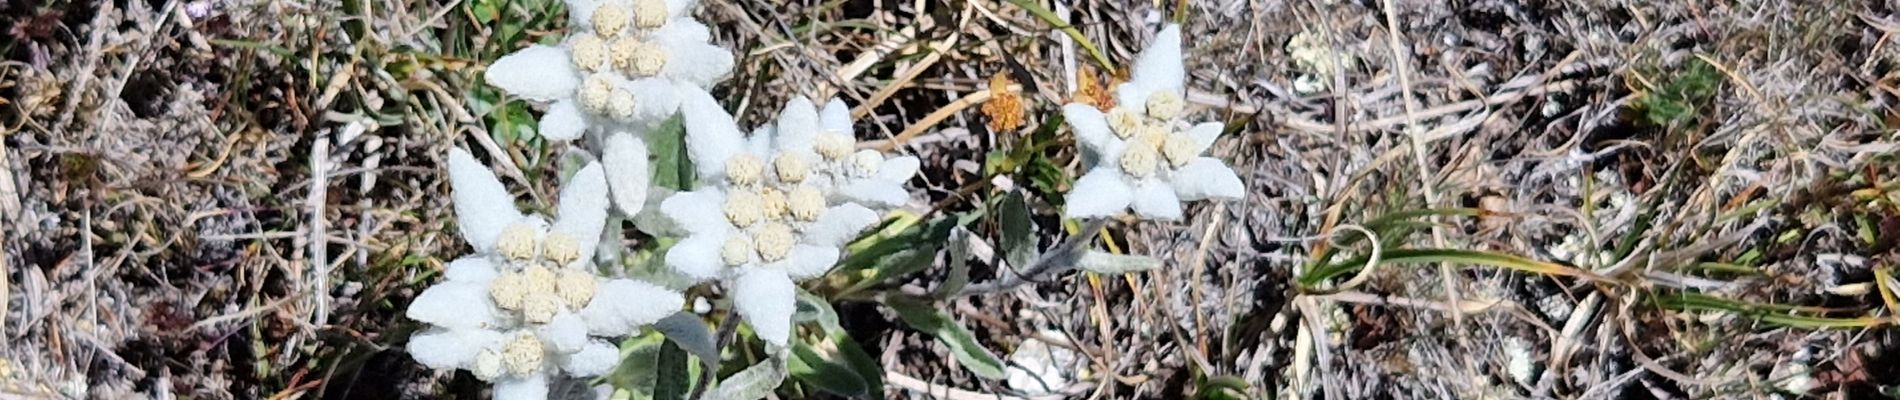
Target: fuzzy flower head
759 219
823 145
1146 157
529 304
622 65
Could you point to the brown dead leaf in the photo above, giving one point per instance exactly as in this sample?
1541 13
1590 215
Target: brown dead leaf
1005 107
1090 89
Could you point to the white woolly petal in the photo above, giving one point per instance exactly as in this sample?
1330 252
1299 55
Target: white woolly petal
566 333
697 256
840 224
1131 93
596 358
482 206
455 305
583 208
451 348
699 211
470 269
655 99
683 31
899 169
625 159
621 306
798 124
531 387
879 193
539 73
580 13
698 63
836 117
808 261
1204 135
1155 200
1207 178
764 297
760 144
1159 68
1090 126
1100 193
563 121
652 220
680 10
711 134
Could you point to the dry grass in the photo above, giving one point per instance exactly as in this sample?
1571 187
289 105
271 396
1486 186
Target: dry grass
214 199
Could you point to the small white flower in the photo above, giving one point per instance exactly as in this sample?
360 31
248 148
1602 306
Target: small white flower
755 221
529 303
1144 159
826 144
621 68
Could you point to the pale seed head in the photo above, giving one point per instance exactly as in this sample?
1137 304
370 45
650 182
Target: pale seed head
647 60
561 248
774 241
866 162
507 290
1138 161
609 19
596 94
649 14
1179 150
523 355
833 146
744 169
791 168
744 208
773 202
1165 105
1124 122
576 287
588 52
621 106
736 251
807 203
487 365
519 242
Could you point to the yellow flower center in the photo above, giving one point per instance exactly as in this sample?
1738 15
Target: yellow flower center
807 203
518 242
774 241
744 208
1124 123
1138 160
1179 150
649 14
736 251
833 146
523 354
576 288
744 169
588 52
791 168
609 19
1165 105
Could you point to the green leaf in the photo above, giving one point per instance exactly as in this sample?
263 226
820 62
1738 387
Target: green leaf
1109 264
958 257
672 380
751 384
666 145
1419 256
902 254
812 308
639 364
687 331
811 368
921 316
1019 239
1222 388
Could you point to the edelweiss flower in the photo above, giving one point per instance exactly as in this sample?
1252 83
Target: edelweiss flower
828 147
528 304
623 64
757 220
1143 157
